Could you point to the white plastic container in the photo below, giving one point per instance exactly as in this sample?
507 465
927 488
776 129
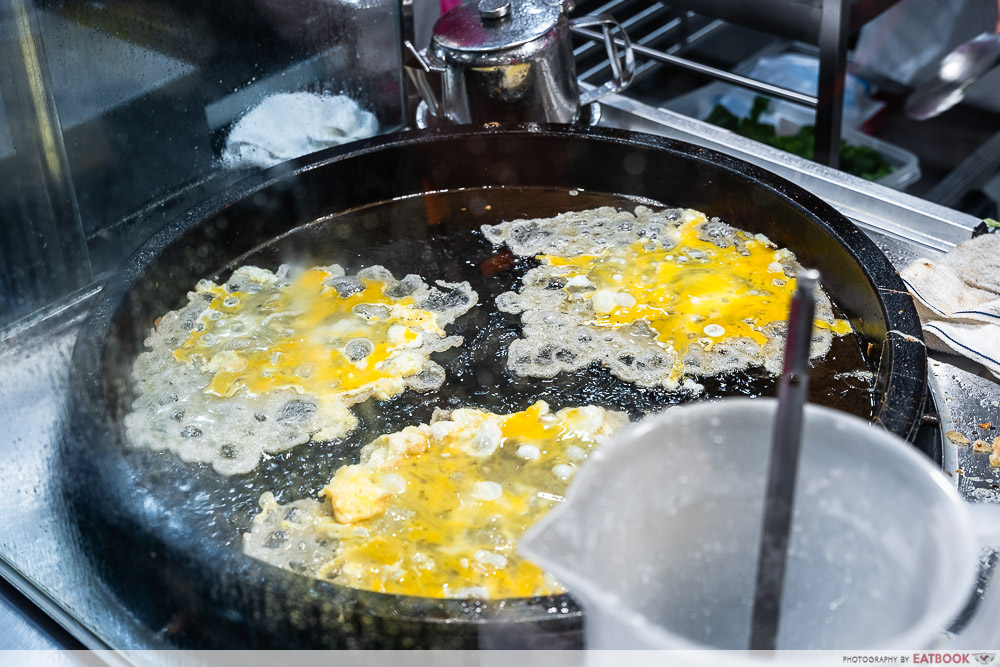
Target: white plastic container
789 118
659 536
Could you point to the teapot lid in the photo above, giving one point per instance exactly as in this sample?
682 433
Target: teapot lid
494 25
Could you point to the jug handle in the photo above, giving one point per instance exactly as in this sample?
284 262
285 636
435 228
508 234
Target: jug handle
981 632
986 523
622 64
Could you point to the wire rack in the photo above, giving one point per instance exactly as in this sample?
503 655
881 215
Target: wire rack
661 34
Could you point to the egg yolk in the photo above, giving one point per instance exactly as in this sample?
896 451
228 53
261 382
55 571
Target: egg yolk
306 337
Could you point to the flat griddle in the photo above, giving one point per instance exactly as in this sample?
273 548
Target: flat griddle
166 534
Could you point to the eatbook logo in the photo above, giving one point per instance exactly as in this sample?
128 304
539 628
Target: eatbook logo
983 658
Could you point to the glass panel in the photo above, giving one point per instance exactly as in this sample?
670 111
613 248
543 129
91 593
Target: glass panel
115 117
42 250
118 114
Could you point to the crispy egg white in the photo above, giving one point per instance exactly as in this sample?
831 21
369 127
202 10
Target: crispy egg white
271 360
436 510
657 297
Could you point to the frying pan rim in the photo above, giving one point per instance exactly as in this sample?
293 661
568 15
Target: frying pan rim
88 355
907 385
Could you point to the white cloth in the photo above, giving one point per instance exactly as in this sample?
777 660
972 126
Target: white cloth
288 125
958 300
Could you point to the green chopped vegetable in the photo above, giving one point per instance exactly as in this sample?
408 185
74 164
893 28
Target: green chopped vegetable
991 223
860 161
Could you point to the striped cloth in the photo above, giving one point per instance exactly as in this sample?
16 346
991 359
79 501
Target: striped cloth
958 299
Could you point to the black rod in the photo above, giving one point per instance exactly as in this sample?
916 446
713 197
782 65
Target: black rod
783 466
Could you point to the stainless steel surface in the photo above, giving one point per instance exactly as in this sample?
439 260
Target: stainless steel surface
968 404
512 62
39 552
417 68
493 9
38 549
590 115
407 32
19 626
957 72
516 68
84 90
467 29
914 227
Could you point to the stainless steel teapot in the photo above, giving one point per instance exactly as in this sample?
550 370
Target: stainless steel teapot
511 61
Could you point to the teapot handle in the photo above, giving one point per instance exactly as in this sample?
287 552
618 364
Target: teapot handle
622 64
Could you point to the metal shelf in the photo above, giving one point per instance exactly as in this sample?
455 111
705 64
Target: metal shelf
676 27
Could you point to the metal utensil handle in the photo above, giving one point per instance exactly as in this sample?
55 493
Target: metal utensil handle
622 64
417 66
783 466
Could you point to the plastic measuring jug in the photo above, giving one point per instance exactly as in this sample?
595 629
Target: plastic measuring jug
658 537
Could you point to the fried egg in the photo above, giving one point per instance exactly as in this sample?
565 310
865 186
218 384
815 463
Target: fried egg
269 360
436 510
657 297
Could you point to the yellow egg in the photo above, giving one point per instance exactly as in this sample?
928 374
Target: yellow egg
271 360
308 337
436 510
657 297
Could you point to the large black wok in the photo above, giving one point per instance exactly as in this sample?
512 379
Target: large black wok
165 535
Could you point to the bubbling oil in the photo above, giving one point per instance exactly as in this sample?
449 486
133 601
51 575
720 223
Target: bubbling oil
437 236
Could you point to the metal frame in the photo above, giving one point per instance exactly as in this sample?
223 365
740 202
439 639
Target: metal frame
833 31
829 24
407 34
705 70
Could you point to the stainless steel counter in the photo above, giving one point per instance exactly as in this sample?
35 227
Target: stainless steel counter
41 557
39 552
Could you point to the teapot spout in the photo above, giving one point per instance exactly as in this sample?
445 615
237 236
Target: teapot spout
419 69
